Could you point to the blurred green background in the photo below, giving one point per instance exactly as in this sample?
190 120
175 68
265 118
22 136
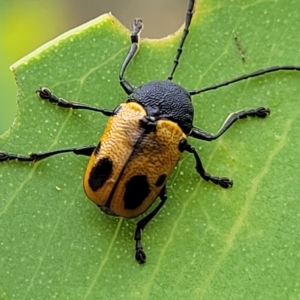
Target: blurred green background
26 25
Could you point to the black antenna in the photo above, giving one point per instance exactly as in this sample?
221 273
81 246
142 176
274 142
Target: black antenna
188 19
244 77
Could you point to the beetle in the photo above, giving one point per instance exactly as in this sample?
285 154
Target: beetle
144 139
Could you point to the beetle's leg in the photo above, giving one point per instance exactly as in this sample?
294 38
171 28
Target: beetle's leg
224 182
46 94
137 27
200 134
188 19
33 157
140 255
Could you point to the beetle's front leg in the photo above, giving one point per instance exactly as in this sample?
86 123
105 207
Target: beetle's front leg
46 94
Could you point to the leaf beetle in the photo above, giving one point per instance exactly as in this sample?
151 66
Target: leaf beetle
151 128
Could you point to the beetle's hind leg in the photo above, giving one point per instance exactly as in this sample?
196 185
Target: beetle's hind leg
46 94
224 182
33 157
140 255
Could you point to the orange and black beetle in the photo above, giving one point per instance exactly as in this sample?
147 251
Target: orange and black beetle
143 140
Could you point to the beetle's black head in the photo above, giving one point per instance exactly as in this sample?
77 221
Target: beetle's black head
165 100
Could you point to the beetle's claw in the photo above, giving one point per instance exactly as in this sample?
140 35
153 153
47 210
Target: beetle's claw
140 255
44 93
4 156
225 182
262 112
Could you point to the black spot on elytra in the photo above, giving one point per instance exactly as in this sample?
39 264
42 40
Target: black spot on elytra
182 144
161 179
100 173
137 189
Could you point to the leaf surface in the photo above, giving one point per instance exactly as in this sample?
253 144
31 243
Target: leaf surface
206 243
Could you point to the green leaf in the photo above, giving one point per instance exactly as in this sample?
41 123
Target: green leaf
206 243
